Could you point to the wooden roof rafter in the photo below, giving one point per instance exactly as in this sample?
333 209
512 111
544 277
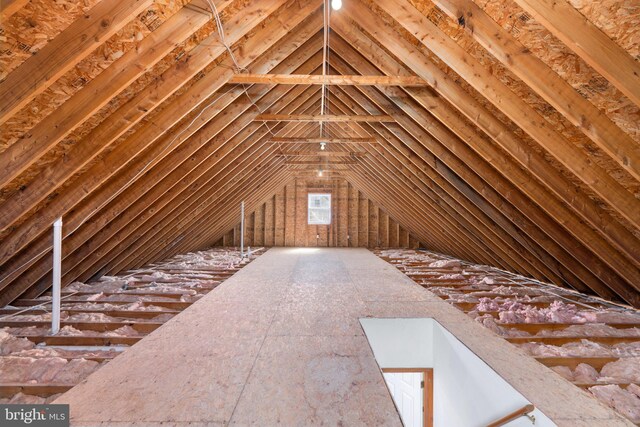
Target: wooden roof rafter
457 171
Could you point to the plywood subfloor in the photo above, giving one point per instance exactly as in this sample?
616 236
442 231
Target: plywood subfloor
280 343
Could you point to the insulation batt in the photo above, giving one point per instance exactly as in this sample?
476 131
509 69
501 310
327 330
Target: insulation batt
593 329
23 361
45 370
583 374
558 312
486 280
489 322
27 399
58 352
624 370
631 349
584 348
628 404
634 388
564 372
603 316
446 263
10 344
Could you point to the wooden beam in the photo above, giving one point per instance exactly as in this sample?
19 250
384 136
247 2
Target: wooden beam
589 42
332 163
228 145
143 240
499 204
157 176
9 7
546 83
8 390
321 118
533 162
287 140
321 154
92 97
526 117
337 80
70 47
133 111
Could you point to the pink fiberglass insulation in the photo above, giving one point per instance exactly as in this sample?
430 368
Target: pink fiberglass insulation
564 371
611 316
10 344
65 317
584 348
71 331
27 330
59 352
44 370
90 317
498 305
490 323
631 349
634 388
24 399
593 330
455 276
23 362
134 306
28 369
75 371
485 280
557 312
124 331
160 318
627 403
624 370
106 286
583 374
446 263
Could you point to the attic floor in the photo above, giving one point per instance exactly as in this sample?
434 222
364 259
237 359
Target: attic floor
280 343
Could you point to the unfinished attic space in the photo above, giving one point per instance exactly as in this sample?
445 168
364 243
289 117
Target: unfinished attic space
408 213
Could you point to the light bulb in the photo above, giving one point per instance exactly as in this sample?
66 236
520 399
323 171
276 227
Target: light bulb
323 145
320 172
336 4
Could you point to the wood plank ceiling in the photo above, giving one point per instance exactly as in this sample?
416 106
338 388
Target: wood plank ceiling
514 143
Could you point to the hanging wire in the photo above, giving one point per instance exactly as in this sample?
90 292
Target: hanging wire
238 68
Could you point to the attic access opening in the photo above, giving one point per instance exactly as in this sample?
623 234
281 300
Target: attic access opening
466 391
412 393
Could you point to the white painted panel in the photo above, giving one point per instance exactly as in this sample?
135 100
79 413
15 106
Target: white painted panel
407 394
467 392
400 343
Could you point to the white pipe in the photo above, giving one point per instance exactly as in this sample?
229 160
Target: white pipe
325 48
242 229
57 274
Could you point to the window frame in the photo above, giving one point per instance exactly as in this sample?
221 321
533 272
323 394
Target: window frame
310 208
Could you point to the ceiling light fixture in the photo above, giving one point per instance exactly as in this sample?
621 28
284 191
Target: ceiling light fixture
320 172
323 145
336 4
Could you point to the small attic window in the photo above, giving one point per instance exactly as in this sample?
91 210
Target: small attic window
319 208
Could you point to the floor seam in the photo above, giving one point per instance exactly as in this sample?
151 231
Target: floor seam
266 334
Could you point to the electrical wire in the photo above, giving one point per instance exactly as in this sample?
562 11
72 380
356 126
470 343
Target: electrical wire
31 307
240 69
